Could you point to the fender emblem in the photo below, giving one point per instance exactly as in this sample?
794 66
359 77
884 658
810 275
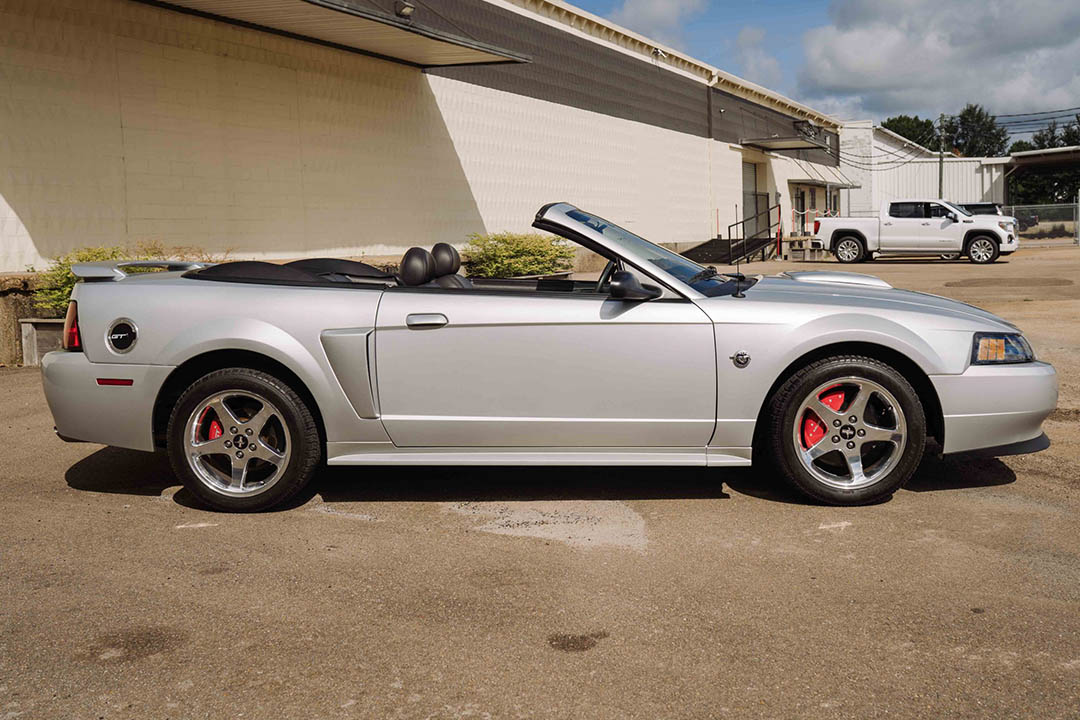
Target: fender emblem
740 359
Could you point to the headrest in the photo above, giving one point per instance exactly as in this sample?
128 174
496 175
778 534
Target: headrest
417 267
447 259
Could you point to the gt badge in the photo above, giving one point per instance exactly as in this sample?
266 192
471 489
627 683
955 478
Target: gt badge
122 335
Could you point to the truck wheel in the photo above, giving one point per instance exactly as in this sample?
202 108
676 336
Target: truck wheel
849 250
847 430
950 256
241 440
983 250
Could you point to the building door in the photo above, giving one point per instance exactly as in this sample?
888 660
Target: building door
800 212
752 214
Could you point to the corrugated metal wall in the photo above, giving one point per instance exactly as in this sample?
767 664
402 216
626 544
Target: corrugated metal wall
965 180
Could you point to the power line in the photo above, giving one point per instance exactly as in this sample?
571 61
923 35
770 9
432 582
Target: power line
1041 112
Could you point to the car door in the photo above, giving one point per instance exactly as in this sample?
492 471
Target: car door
940 232
482 368
902 228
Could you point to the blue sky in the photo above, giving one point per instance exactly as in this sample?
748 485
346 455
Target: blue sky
869 59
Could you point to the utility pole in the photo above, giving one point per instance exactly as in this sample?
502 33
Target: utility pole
941 158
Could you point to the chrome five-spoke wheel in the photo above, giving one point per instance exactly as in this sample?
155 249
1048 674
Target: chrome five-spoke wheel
237 443
849 432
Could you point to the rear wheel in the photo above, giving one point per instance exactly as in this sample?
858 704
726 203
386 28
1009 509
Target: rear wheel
982 250
242 440
950 256
847 430
849 250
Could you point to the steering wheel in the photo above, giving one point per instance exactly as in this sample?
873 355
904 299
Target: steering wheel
605 277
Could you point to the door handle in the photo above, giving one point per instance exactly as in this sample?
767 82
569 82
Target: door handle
886 223
926 223
426 320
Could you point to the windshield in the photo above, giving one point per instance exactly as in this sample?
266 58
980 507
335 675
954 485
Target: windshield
705 280
960 209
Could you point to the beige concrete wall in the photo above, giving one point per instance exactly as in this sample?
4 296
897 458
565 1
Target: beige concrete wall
519 153
121 123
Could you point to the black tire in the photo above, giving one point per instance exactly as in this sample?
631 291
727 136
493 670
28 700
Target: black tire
303 441
841 250
984 241
784 407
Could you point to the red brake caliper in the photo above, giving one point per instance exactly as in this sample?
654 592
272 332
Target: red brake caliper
215 430
813 427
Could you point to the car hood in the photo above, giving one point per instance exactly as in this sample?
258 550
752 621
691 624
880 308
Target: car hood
871 294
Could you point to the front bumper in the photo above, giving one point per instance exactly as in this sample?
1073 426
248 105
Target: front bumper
1010 244
116 415
988 405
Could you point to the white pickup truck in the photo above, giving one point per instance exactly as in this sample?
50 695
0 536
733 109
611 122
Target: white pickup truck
917 227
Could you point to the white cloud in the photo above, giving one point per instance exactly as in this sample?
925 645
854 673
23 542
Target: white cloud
758 65
881 57
659 19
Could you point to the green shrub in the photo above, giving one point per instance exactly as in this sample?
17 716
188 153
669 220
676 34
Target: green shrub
54 288
506 254
55 284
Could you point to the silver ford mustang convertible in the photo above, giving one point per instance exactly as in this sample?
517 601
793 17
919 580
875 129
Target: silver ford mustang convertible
252 374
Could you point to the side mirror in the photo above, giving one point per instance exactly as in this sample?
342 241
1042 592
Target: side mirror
624 286
952 216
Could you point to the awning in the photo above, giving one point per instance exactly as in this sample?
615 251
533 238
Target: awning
835 185
417 40
784 143
1049 159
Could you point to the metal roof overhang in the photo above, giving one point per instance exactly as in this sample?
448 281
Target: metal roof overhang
348 26
784 143
1049 159
816 182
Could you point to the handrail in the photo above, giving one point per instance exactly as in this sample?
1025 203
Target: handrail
768 230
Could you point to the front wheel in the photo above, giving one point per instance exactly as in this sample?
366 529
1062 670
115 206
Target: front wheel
849 250
983 250
242 440
847 430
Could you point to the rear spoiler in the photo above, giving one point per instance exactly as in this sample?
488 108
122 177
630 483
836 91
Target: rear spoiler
113 269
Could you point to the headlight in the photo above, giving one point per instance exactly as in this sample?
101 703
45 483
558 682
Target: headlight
1000 348
1007 227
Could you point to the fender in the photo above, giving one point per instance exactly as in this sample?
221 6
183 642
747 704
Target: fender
742 392
261 337
844 232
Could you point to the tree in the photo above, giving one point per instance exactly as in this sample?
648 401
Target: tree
914 128
1047 187
975 133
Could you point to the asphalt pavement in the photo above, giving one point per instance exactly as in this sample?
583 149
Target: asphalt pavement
554 593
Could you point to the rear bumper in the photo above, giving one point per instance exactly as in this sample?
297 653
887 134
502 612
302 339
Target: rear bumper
990 406
108 414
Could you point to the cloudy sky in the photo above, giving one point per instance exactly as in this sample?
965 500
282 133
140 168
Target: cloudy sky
869 59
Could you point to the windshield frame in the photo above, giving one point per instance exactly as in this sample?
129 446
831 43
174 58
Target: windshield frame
566 220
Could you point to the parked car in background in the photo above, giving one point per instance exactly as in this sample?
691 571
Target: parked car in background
917 227
835 379
981 208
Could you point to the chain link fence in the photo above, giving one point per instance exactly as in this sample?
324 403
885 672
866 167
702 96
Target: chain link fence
1051 224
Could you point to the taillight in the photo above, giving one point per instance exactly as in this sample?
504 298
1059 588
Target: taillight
817 226
71 340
